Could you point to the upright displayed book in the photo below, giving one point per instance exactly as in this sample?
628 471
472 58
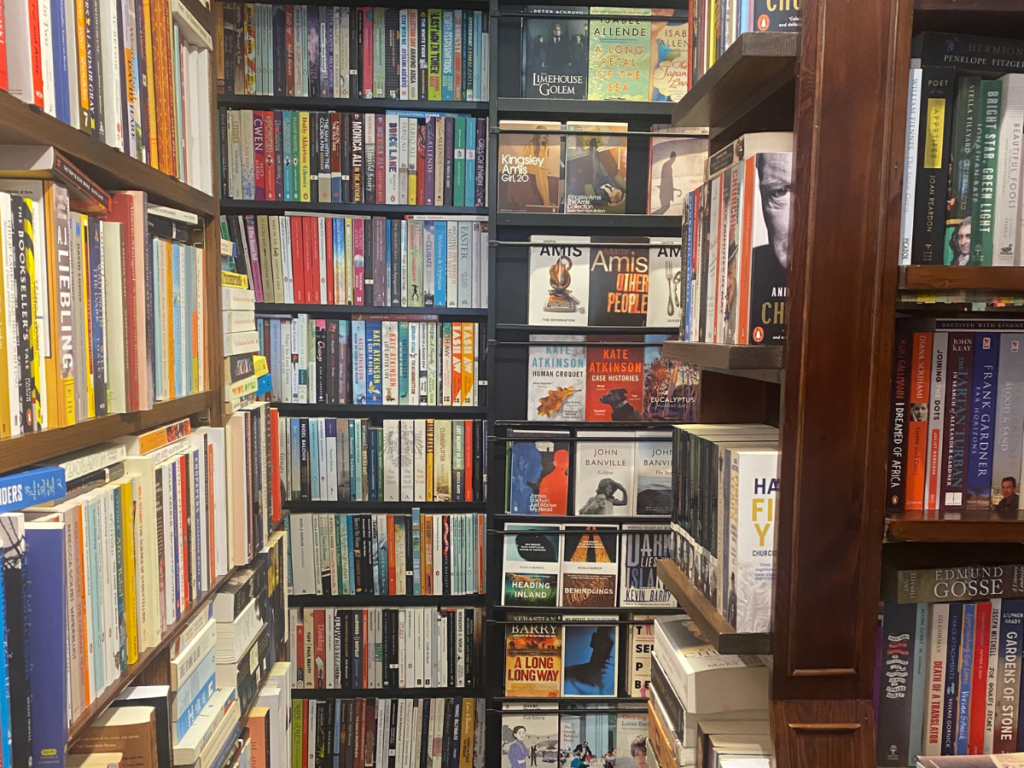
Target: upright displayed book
590 659
555 55
529 167
670 54
558 378
539 473
559 296
533 658
677 168
589 567
605 476
531 567
620 56
595 168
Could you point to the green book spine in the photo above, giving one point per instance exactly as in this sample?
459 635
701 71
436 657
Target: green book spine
965 134
434 54
341 550
296 169
403 362
379 44
983 205
459 193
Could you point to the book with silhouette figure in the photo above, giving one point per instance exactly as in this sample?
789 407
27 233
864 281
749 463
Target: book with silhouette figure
677 168
531 564
558 379
595 168
589 566
590 658
533 658
605 473
538 473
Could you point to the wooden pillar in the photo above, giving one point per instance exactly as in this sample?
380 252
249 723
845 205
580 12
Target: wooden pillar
850 111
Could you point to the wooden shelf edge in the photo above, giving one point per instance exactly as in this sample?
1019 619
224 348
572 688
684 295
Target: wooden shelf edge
39 447
966 6
955 531
133 671
719 632
112 170
726 358
925 277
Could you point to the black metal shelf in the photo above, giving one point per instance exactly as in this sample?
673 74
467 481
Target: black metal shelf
332 310
235 101
391 507
570 519
386 693
580 329
547 425
278 207
423 411
639 111
386 601
643 223
585 613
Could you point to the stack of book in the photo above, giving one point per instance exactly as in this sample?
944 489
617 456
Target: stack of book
246 375
705 707
388 648
372 360
422 261
327 459
108 315
104 67
395 158
346 53
962 162
736 239
379 554
725 496
400 732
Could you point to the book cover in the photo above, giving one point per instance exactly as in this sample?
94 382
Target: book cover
529 167
620 58
665 281
595 168
619 279
769 254
555 55
639 568
631 738
754 476
676 169
1006 460
589 567
614 382
670 53
529 736
559 294
605 476
531 566
641 644
671 388
654 475
558 379
539 474
533 658
589 659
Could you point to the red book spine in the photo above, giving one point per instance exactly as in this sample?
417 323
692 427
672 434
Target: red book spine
329 250
37 52
979 678
3 56
319 649
391 556
298 285
300 644
367 43
275 469
467 459
121 212
259 164
312 260
268 152
185 481
380 152
289 68
359 275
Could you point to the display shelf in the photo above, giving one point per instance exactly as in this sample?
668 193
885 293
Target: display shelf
644 111
955 531
386 693
625 425
100 704
279 207
557 614
719 632
581 519
422 411
753 68
578 329
112 170
234 101
385 601
967 6
641 222
40 447
726 358
920 277
369 507
332 310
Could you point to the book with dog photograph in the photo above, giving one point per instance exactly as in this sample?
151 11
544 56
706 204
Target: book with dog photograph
531 564
619 284
605 474
559 280
590 571
615 381
558 379
595 168
589 659
538 477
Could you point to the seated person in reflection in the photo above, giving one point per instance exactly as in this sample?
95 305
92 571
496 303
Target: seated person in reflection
1009 504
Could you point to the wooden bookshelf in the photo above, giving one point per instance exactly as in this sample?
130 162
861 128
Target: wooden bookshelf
719 632
111 169
942 278
39 447
725 357
955 531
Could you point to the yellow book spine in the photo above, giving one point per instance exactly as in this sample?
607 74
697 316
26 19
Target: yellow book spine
168 350
58 403
128 523
468 355
5 401
304 155
151 158
90 394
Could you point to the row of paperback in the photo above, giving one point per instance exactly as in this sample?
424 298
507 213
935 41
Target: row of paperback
962 158
949 672
401 733
609 378
420 261
382 360
957 420
394 158
736 243
78 339
563 739
388 648
575 566
725 497
414 554
614 473
425 54
104 67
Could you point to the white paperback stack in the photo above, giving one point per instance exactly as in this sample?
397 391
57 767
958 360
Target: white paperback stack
241 344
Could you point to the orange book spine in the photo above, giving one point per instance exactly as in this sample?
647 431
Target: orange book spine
164 84
468 362
917 428
392 590
743 299
153 154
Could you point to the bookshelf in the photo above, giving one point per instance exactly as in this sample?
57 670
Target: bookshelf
924 278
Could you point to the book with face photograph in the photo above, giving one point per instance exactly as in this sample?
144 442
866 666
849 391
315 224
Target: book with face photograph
555 54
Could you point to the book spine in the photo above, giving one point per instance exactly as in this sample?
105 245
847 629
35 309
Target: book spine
986 168
957 419
1006 251
933 165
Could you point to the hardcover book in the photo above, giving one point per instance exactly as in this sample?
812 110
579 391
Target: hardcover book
590 659
589 570
614 382
620 57
619 279
769 254
558 379
595 168
559 281
677 168
539 474
555 55
640 554
531 566
533 658
604 476
529 167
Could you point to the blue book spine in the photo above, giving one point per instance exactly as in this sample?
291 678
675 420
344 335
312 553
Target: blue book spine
344 348
179 370
469 196
359 362
337 731
275 354
190 294
96 284
690 204
99 669
403 362
156 362
374 370
416 551
33 486
195 707
371 474
197 514
440 264
225 751
338 233
314 460
353 487
447 56
193 686
963 713
62 103
294 429
949 693
5 692
349 526
46 595
983 417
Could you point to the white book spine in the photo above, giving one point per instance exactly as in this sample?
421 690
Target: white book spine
391 131
1006 219
46 50
407 459
420 460
414 362
391 459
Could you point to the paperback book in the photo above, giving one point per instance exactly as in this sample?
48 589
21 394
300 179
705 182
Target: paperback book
539 474
559 281
531 566
555 53
614 382
589 569
558 379
590 658
533 658
529 167
605 476
595 168
640 554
